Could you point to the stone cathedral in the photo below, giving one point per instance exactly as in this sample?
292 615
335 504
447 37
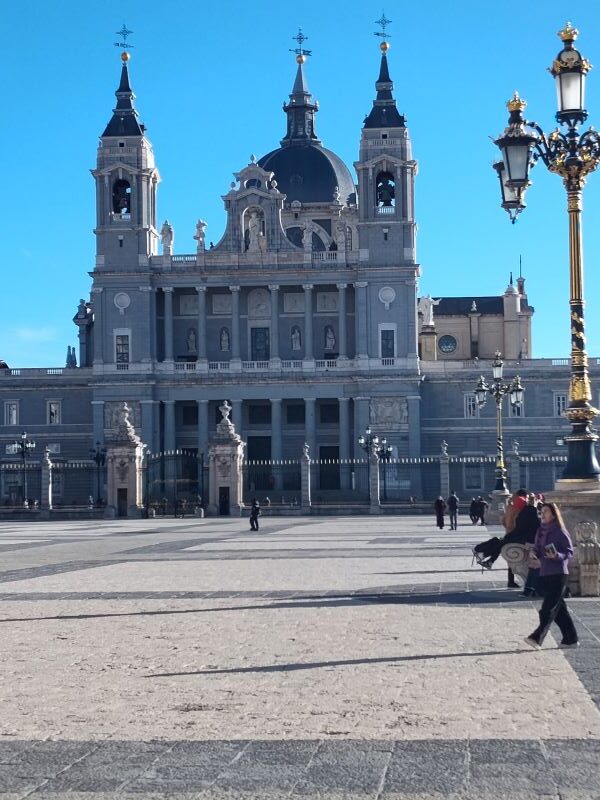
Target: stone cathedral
305 315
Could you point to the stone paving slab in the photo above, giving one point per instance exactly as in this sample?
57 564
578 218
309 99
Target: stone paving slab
326 664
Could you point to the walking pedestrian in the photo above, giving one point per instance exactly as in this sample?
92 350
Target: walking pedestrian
552 551
473 511
254 514
440 508
453 502
482 507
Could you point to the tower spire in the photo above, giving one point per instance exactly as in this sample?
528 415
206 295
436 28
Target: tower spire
384 113
302 108
124 121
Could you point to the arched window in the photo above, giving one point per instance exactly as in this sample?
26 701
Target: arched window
348 238
295 235
121 197
386 190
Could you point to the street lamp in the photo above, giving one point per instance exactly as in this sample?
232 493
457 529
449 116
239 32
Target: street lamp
24 446
572 156
98 455
498 389
384 452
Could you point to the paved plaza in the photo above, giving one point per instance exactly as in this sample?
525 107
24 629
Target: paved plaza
320 658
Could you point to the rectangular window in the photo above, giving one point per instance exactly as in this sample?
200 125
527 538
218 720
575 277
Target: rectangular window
516 411
189 415
329 413
122 348
388 344
473 477
471 407
259 414
560 404
54 412
295 414
11 412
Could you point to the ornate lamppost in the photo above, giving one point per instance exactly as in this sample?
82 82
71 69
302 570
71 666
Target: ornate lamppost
23 447
572 155
498 389
98 455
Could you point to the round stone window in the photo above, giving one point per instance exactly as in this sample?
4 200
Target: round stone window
447 344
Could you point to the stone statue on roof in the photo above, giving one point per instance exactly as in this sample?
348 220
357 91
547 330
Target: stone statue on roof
425 307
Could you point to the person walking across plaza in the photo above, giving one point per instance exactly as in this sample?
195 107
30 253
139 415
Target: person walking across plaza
440 508
453 502
254 515
552 551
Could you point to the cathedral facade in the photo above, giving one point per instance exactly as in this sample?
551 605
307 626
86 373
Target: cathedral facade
305 315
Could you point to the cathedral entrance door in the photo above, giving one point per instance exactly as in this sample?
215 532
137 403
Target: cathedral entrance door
259 344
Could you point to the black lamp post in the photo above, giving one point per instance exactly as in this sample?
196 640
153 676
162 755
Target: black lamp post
498 390
385 453
572 155
371 443
98 455
202 501
24 446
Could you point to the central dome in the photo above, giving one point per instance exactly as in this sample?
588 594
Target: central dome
309 173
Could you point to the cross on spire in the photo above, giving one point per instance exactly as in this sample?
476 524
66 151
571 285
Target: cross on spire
383 22
300 38
124 33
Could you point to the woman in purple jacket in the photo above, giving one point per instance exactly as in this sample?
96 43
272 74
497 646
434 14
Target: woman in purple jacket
551 552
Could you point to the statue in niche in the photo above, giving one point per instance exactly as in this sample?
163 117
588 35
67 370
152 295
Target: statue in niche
425 307
296 338
253 232
307 235
199 235
225 340
168 237
191 340
329 338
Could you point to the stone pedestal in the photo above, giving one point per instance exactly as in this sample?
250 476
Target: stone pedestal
124 460
374 497
46 486
225 457
498 500
428 340
305 480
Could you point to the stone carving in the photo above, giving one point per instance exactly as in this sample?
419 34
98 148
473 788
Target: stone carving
387 295
259 303
188 305
191 340
389 411
296 338
122 430
327 301
199 236
330 340
305 452
473 306
293 302
253 232
112 411
444 448
222 304
82 309
167 235
307 235
225 341
122 470
223 466
425 307
515 447
588 557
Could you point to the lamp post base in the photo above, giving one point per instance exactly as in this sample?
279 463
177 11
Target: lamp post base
582 464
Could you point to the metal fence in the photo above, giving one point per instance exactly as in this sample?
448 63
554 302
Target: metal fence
77 484
339 480
278 482
175 482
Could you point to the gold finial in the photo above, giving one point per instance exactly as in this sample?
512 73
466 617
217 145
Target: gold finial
300 58
385 46
568 33
125 57
516 103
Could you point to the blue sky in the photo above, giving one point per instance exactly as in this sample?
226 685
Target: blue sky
210 80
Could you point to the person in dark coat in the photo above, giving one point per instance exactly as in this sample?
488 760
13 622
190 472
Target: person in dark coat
525 527
473 511
453 502
440 508
254 515
482 507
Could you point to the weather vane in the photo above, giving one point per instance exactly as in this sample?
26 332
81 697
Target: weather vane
300 38
383 22
124 33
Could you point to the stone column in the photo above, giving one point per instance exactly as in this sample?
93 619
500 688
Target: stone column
148 433
97 298
225 459
169 432
414 444
342 335
203 427
374 499
305 480
344 442
168 294
444 472
276 431
235 328
124 461
274 339
308 322
362 349
201 323
46 487
236 415
310 424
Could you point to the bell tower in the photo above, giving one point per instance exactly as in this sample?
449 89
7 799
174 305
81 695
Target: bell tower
386 176
126 183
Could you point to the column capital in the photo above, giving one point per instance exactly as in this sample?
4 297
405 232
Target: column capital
234 288
200 288
168 289
97 402
202 400
148 402
310 399
97 289
146 288
343 399
361 284
342 285
276 400
274 287
169 402
307 287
